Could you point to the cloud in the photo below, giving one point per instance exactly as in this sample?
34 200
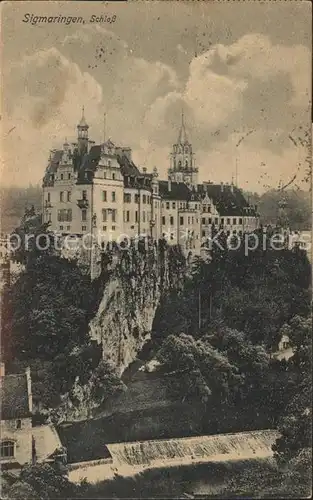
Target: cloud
47 89
251 84
44 107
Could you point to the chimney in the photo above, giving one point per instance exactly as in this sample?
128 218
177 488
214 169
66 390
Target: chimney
29 389
232 187
169 185
222 186
144 170
2 369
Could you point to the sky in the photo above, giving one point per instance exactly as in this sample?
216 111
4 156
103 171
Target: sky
241 71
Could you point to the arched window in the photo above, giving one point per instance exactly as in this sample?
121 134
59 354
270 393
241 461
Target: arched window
179 164
186 163
7 449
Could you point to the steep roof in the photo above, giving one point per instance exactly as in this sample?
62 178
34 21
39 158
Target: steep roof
182 136
128 168
89 163
47 441
52 166
228 200
177 191
14 397
83 122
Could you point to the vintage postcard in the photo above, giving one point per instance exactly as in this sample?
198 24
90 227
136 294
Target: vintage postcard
156 252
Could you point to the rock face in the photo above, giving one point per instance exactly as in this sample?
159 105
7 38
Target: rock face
137 279
129 284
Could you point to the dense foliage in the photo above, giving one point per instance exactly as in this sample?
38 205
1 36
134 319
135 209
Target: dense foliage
39 482
255 292
47 309
45 318
222 330
217 332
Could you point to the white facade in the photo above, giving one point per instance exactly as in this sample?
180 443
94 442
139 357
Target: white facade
89 189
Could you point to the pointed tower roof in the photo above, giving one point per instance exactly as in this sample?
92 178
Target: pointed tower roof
83 122
182 136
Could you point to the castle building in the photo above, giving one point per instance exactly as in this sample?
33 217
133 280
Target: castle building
98 189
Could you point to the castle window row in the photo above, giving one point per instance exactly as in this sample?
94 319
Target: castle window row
65 215
62 176
146 199
105 196
106 212
228 221
206 208
64 196
128 218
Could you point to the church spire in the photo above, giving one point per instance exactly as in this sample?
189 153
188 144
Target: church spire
83 122
82 132
182 136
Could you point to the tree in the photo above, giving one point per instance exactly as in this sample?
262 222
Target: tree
211 372
48 481
293 449
46 311
255 292
21 489
105 382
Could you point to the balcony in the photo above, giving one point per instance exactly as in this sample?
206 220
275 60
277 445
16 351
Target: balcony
48 204
83 203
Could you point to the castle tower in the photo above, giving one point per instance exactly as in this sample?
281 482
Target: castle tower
182 168
82 134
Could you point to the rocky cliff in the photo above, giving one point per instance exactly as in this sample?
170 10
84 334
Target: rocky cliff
127 287
135 280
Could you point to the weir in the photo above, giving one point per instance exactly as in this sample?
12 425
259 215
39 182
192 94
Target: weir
130 458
